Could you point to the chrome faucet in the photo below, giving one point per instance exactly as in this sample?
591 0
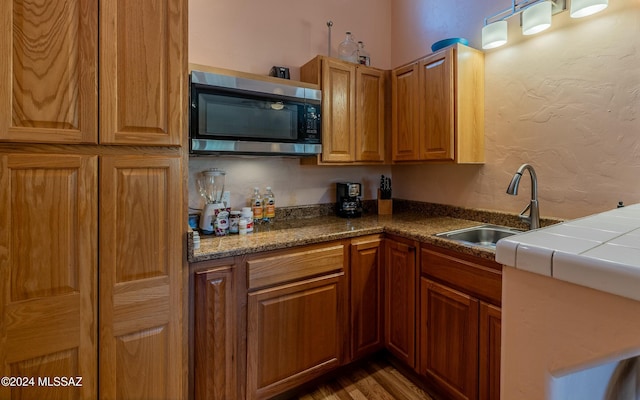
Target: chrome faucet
533 219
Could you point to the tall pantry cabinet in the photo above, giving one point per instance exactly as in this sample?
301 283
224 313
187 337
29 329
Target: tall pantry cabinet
91 197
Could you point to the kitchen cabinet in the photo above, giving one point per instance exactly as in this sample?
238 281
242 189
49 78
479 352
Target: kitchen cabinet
88 224
353 110
49 77
143 72
216 331
140 257
449 339
489 351
438 107
400 299
459 348
48 270
366 281
50 72
297 316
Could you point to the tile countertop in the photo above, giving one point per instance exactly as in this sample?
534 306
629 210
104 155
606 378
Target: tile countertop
315 230
601 251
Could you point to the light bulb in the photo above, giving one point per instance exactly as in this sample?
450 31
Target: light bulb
583 8
536 18
494 35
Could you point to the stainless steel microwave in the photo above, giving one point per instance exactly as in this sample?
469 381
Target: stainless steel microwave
231 114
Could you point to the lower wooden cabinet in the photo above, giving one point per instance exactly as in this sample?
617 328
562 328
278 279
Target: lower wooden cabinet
140 255
366 291
449 339
489 351
48 272
296 317
215 333
91 272
460 324
400 299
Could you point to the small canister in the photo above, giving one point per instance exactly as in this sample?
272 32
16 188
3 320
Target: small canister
242 226
247 214
234 220
222 223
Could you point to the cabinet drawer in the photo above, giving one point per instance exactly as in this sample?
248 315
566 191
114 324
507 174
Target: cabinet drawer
295 264
478 277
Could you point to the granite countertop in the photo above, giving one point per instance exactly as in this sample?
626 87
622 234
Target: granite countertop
286 234
601 251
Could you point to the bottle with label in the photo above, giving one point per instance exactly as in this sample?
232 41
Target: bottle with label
363 55
257 205
269 202
348 48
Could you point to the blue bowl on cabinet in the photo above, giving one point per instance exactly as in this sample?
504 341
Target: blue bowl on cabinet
440 44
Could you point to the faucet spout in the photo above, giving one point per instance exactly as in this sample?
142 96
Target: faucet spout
533 219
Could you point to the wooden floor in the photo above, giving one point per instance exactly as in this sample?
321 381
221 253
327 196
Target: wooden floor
372 380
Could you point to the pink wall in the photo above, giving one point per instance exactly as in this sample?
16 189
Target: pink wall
566 100
552 328
253 35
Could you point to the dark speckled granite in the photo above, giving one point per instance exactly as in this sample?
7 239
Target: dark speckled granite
295 226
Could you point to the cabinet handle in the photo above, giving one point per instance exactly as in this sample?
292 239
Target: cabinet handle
435 64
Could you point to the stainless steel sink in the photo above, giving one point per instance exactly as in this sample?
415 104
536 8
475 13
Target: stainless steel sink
483 235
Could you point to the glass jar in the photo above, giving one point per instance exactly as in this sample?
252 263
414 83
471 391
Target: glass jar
348 49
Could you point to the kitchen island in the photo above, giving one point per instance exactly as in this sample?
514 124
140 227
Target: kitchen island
571 309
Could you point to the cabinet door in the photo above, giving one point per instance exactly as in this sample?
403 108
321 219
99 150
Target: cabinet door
215 332
48 273
437 112
370 129
400 300
48 71
143 71
294 334
404 115
141 225
338 109
490 344
449 339
366 296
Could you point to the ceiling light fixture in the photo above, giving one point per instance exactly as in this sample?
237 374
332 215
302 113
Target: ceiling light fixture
535 15
583 8
536 18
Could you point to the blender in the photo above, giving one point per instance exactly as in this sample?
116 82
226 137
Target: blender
211 187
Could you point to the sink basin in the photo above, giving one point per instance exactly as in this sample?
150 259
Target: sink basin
483 235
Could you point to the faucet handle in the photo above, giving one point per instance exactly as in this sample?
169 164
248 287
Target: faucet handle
523 217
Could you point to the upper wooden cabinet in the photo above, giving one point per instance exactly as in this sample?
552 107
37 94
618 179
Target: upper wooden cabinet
142 71
353 110
48 71
48 270
438 107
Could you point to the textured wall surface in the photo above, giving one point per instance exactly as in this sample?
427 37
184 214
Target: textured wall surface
566 100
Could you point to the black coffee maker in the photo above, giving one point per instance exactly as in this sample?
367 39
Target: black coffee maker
348 199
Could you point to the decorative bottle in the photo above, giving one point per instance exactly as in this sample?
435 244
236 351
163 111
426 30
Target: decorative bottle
348 48
269 201
363 55
256 205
